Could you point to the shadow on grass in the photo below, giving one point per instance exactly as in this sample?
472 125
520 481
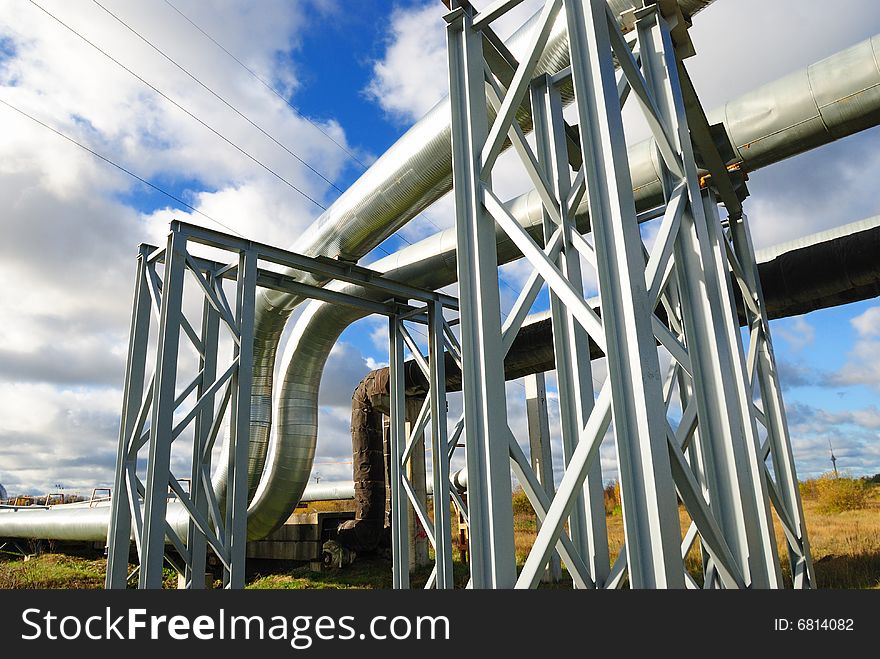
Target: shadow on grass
367 572
852 571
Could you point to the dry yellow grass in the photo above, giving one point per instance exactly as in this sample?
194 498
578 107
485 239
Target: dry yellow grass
845 545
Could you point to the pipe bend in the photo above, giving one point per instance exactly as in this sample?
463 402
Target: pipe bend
291 451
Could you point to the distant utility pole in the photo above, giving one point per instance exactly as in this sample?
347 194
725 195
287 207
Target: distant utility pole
833 460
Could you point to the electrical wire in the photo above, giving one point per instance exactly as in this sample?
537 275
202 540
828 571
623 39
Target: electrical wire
179 106
215 94
119 167
229 105
266 84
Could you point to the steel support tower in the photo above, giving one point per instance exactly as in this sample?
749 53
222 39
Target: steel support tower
159 413
698 435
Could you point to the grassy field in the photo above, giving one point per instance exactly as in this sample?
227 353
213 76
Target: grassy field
845 546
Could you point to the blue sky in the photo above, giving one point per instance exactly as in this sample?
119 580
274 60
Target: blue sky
364 70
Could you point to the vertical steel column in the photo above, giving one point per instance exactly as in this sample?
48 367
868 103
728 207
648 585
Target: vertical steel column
195 540
647 490
399 500
159 461
439 449
587 525
237 497
774 410
766 571
702 285
119 532
541 454
489 490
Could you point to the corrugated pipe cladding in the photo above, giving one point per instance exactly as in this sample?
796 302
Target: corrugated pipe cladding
369 468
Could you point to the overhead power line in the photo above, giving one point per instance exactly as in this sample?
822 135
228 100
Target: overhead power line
119 167
180 107
215 94
266 84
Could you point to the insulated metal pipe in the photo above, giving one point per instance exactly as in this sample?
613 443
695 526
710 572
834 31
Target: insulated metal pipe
75 524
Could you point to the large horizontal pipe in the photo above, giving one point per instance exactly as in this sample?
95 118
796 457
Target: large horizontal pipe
823 270
416 171
74 524
85 523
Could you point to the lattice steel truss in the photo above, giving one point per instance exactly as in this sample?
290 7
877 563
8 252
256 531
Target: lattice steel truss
693 436
438 526
205 518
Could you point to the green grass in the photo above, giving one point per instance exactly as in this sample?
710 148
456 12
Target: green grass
52 571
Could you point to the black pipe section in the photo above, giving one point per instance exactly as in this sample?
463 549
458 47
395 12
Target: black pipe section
818 276
368 452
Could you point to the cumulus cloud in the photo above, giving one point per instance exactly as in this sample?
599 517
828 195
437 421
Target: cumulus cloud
72 223
861 366
411 76
797 332
346 367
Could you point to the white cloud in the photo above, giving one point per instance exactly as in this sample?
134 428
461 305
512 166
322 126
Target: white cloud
797 332
70 230
861 366
867 324
70 226
411 77
853 434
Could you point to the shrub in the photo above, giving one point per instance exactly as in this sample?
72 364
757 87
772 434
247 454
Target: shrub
837 494
809 489
521 505
612 498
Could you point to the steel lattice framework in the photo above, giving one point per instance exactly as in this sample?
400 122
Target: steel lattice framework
699 435
710 433
157 415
